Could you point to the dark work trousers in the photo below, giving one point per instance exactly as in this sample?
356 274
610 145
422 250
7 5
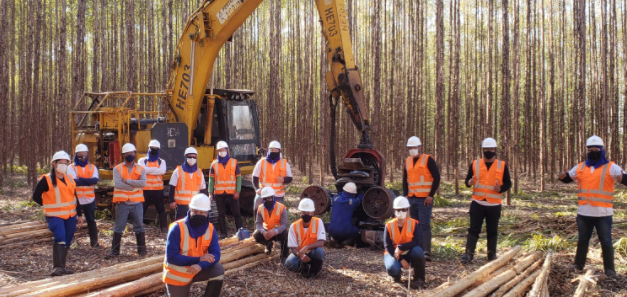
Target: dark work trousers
281 237
478 213
90 213
154 197
603 225
222 200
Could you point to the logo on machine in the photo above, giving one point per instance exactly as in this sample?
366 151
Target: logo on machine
228 9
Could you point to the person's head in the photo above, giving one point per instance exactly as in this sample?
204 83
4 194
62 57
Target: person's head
595 147
191 155
154 147
489 148
199 209
350 187
223 148
306 209
128 152
274 148
81 152
401 207
60 162
414 146
267 194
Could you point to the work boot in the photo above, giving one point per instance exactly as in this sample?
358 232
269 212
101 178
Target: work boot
214 287
397 278
285 252
492 243
63 260
580 255
93 235
141 243
426 244
466 258
268 249
304 270
163 222
57 256
418 284
350 241
316 267
608 260
471 244
115 246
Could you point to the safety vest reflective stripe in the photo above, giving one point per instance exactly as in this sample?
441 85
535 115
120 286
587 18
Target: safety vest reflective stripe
486 191
303 239
406 234
153 182
184 193
269 221
178 275
84 172
225 181
601 195
136 195
59 200
419 179
265 180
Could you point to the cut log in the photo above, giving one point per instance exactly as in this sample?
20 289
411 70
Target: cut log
499 279
482 272
585 281
22 228
506 287
250 265
227 241
22 236
244 261
545 289
151 290
544 273
130 289
234 255
239 246
28 242
226 247
519 289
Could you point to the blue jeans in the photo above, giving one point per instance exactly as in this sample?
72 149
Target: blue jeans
415 257
293 263
63 230
133 213
258 202
419 211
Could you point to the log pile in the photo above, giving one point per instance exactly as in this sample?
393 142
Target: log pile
136 277
25 233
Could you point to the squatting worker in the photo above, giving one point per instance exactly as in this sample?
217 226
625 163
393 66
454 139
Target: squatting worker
342 230
489 178
225 184
306 241
421 179
272 171
153 191
186 181
192 252
86 177
595 195
56 192
271 223
128 180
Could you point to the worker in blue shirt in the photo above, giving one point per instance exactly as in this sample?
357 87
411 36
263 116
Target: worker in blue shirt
341 228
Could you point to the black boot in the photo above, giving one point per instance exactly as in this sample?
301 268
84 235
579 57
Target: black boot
268 249
163 222
471 244
315 268
214 287
492 242
285 252
57 259
426 244
608 260
64 259
141 243
397 278
115 246
580 255
93 235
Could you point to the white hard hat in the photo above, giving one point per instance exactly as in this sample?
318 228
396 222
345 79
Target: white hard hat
306 204
594 141
154 143
127 148
200 202
401 203
222 144
488 143
81 148
350 187
274 144
191 150
413 141
267 192
61 155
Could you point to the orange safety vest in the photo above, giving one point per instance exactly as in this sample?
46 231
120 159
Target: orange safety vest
306 238
484 188
596 188
399 237
224 177
153 182
270 173
85 192
272 220
178 275
59 201
419 178
187 186
135 195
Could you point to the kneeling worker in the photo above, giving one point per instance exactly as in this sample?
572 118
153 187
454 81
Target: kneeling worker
193 252
341 228
306 247
271 223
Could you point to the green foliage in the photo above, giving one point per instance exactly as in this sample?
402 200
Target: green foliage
456 225
448 249
522 195
439 201
397 185
27 204
620 247
539 243
103 214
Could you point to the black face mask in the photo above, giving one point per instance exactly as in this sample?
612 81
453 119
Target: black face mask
153 152
306 218
489 155
268 204
129 158
594 156
197 220
274 155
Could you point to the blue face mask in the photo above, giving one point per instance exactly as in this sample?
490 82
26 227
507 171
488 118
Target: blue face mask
129 158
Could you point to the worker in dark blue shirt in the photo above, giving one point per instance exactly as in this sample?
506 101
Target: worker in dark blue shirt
341 227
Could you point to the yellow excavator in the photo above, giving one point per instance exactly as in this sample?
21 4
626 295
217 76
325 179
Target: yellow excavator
192 113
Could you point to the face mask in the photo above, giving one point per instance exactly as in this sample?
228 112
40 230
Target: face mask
306 218
81 158
413 152
62 168
129 158
274 155
401 214
191 161
489 155
153 152
222 154
268 204
594 155
197 220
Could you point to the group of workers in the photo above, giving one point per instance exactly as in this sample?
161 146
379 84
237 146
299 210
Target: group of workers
192 249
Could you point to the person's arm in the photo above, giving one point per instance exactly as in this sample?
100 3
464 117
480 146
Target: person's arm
173 249
117 180
214 249
149 170
357 200
469 175
210 184
388 245
42 186
283 225
139 183
259 222
79 207
435 173
288 174
405 184
507 181
416 241
95 177
292 244
203 184
171 193
238 178
256 173
161 170
570 176
173 182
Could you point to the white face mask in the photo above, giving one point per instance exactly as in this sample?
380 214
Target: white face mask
401 214
191 162
222 154
413 152
62 168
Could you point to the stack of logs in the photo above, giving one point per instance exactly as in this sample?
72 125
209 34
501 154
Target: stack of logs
16 234
137 277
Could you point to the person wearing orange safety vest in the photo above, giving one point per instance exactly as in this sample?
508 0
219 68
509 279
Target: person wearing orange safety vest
272 171
186 181
489 178
56 192
421 179
306 241
403 245
86 177
595 195
271 223
225 184
128 180
192 252
153 191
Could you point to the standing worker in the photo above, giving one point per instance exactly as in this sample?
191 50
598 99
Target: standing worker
153 191
271 223
341 227
489 178
225 184
56 192
271 171
184 186
595 195
306 241
86 177
192 252
128 180
403 245
421 179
